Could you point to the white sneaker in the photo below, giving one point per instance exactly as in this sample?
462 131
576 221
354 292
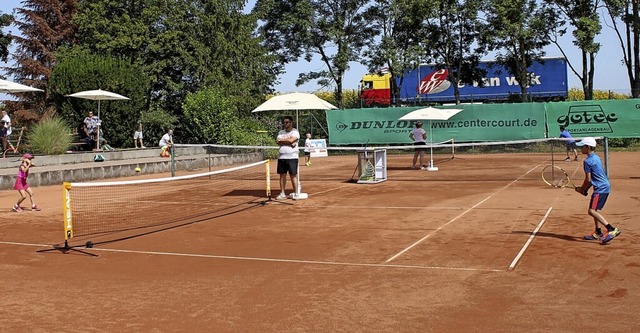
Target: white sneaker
281 196
295 196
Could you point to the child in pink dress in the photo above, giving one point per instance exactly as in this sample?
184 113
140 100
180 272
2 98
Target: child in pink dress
21 183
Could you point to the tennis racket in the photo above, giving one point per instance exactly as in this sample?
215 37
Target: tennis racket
557 177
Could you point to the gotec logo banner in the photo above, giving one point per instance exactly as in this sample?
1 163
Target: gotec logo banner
615 118
494 122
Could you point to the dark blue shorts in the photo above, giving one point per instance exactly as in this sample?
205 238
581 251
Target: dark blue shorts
421 143
598 200
288 166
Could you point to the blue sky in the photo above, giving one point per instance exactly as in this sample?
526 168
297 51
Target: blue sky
610 72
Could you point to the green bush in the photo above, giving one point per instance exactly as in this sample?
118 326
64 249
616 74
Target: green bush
50 137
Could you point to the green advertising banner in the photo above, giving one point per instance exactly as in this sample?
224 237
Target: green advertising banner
611 118
489 122
494 122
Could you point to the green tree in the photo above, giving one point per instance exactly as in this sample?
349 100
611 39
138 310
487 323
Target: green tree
583 16
334 30
182 45
5 38
519 36
79 70
399 26
212 117
454 40
45 26
625 16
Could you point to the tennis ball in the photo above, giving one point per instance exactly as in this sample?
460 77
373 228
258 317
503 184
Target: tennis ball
137 169
89 244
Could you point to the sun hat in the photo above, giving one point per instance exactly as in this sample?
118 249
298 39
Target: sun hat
27 156
591 142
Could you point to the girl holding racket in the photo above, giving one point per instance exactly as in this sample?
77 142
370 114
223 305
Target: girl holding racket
21 183
596 177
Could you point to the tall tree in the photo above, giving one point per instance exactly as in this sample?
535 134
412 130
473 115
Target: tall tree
398 24
519 36
625 20
183 45
334 30
79 70
455 42
583 16
5 38
45 26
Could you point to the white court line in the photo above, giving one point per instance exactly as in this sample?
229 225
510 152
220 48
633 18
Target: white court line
294 261
457 217
382 207
440 227
526 245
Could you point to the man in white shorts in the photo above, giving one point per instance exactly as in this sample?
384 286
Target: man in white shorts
137 136
288 156
165 144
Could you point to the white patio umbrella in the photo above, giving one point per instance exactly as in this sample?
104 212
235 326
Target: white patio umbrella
431 113
294 102
13 87
298 102
98 95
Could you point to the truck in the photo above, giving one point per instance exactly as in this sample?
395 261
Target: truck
428 84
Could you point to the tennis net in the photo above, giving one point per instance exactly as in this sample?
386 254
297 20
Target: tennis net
102 207
455 161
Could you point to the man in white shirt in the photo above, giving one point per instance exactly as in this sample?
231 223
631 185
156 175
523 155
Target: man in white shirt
165 144
288 157
6 130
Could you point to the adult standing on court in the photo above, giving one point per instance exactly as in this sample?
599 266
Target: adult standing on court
6 130
165 144
419 137
288 156
571 144
596 177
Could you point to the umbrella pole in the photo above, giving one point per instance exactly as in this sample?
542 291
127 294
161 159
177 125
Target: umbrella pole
299 187
431 166
99 121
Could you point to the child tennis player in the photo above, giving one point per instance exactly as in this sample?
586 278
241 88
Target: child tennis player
571 144
21 183
307 150
596 177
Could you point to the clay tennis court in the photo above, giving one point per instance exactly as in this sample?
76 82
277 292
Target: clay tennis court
421 252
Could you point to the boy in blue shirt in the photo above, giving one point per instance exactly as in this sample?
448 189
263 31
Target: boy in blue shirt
571 144
596 177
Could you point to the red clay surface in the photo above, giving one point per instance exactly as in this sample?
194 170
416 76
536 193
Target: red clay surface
421 252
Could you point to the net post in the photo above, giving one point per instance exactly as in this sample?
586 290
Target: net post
173 161
67 224
67 214
453 148
552 159
606 155
268 170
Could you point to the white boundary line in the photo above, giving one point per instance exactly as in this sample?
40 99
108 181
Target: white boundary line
294 261
459 216
526 245
439 228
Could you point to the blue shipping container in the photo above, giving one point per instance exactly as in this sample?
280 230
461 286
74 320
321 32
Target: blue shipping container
549 80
